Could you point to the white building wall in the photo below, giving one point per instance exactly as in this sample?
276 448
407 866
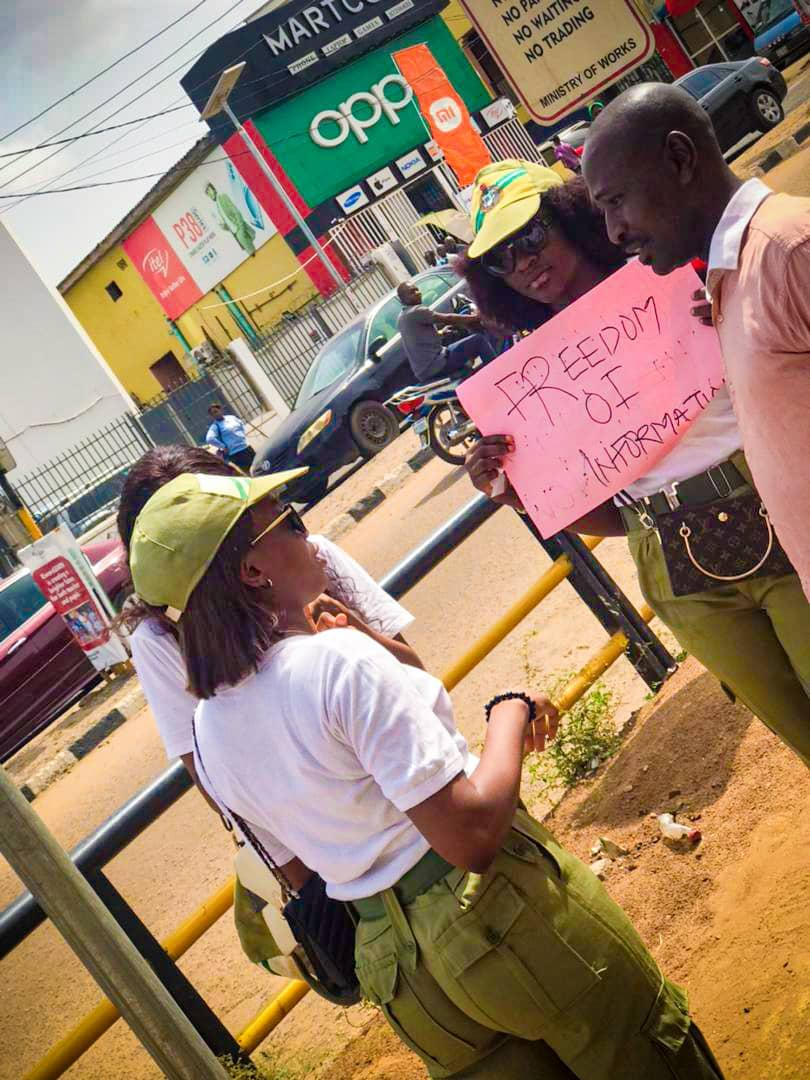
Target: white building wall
54 387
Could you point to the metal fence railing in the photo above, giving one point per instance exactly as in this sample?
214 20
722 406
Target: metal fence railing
80 485
286 352
181 415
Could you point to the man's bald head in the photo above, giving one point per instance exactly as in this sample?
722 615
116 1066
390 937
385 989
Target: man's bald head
653 163
642 117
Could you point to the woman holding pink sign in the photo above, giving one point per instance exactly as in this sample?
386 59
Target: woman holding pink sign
540 245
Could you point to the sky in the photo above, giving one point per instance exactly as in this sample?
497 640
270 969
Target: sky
47 49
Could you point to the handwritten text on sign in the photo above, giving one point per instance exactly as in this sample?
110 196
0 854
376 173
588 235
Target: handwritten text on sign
599 394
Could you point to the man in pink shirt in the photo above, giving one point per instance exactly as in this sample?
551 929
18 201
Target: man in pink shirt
653 164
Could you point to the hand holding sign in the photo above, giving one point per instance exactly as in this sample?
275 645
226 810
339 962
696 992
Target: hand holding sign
598 395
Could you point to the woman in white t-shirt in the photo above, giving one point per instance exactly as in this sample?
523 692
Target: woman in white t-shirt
350 592
491 951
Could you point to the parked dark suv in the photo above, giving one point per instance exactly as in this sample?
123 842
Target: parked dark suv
740 97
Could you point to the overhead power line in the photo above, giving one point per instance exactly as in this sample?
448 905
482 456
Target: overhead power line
99 74
109 183
95 131
112 97
22 198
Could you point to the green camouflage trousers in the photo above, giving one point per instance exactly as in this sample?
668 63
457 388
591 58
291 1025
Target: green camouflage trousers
529 971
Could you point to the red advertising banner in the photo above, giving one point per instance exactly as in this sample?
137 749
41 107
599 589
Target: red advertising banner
153 257
445 112
66 578
59 581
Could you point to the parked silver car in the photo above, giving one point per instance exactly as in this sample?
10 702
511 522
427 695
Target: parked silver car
740 97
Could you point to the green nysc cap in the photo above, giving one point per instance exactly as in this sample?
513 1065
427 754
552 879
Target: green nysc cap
180 529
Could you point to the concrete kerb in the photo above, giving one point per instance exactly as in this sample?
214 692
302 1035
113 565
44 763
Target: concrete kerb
782 151
131 703
343 523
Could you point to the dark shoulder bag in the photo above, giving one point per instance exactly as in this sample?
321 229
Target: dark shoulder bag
719 543
323 927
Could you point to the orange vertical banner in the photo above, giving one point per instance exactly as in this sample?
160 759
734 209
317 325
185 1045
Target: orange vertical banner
445 112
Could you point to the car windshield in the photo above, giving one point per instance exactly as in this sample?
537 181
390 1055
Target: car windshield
773 13
335 361
19 600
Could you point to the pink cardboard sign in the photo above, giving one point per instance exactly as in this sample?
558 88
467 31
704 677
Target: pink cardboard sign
600 393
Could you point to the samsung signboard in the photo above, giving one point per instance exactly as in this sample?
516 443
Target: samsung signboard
298 44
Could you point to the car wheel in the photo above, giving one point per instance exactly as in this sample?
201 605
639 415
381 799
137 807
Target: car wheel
768 111
373 427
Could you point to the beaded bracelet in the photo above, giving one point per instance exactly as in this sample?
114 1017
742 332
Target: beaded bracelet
514 695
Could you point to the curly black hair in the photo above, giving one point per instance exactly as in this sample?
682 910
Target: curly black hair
583 225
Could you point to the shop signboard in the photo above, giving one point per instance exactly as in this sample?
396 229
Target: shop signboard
206 227
362 118
410 164
556 56
298 44
352 199
64 576
382 181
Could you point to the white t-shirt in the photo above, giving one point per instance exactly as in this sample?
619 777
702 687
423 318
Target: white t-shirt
322 751
712 438
162 673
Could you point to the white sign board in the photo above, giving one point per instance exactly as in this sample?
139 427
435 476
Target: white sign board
213 221
381 181
410 164
352 199
63 574
559 56
498 111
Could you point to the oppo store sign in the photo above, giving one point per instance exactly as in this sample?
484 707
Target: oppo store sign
383 102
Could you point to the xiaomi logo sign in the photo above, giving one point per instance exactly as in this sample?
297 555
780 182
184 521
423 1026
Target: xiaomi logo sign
445 114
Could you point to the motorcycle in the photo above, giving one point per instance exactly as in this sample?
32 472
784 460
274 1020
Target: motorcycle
438 418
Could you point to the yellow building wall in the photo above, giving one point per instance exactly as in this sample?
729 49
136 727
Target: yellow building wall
275 265
132 333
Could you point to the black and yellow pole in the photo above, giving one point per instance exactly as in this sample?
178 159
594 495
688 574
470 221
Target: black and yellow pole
21 510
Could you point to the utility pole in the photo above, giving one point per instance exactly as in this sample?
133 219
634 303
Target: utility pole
102 946
217 103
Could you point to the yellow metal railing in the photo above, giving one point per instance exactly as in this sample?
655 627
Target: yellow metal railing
69 1049
100 1019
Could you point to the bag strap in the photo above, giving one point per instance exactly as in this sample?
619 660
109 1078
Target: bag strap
287 889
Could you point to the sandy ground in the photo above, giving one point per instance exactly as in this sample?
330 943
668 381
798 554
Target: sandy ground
729 920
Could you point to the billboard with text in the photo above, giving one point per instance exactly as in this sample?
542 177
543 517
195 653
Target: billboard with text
199 234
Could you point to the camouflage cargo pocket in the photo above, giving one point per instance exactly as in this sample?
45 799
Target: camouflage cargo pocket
417 1009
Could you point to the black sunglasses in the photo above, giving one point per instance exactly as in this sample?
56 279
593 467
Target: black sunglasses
502 260
290 519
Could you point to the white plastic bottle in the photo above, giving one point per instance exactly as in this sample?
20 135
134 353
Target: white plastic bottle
672 830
